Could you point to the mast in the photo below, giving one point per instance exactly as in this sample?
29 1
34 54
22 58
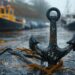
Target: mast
67 7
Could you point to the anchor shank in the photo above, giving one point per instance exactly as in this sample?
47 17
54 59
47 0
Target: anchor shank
53 34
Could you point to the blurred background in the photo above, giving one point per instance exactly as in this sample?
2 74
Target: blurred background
34 12
37 24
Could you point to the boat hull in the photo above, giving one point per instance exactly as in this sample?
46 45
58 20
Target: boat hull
71 26
6 25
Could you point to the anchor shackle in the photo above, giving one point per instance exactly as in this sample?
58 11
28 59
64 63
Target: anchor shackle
53 18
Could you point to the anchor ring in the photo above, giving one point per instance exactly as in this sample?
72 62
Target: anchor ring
56 18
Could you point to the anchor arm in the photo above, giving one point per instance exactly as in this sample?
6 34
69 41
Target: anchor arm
65 51
61 53
56 55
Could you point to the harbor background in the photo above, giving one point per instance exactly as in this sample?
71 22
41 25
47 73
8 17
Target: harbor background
38 25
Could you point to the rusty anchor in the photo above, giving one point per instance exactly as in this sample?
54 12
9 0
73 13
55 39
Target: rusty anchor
52 54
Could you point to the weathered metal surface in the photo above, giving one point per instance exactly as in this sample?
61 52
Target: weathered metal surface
52 54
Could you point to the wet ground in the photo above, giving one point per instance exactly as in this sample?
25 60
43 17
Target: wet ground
11 65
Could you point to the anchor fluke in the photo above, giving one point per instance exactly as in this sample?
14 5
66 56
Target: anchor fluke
32 43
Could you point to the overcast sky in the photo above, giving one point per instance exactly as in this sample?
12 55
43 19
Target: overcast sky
62 4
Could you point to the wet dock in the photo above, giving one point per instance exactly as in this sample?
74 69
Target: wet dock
11 65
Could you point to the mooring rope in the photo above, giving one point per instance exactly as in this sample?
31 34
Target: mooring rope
18 53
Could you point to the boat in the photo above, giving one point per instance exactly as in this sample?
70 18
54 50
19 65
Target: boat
8 20
68 21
